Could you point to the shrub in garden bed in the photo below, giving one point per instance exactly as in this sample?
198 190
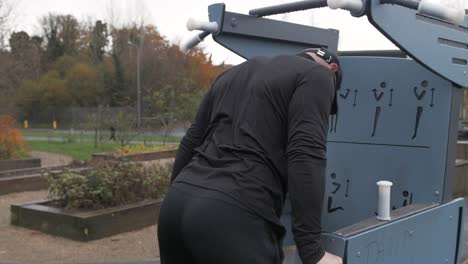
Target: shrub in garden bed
109 184
114 197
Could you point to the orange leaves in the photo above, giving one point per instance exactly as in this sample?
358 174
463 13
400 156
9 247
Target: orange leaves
6 122
12 144
206 72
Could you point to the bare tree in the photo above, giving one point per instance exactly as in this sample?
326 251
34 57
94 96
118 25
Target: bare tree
142 14
112 14
127 14
7 8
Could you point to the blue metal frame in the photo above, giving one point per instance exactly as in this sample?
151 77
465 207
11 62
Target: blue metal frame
399 123
250 36
440 46
414 239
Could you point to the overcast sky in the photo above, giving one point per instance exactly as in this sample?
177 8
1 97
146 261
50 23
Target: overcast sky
170 17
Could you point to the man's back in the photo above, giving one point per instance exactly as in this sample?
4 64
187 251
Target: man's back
244 149
259 133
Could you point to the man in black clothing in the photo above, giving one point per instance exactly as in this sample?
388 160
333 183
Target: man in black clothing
260 133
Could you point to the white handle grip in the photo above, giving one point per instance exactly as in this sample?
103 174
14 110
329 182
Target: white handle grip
350 5
193 24
384 200
189 43
434 9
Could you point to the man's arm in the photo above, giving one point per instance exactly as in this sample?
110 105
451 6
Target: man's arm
308 114
193 137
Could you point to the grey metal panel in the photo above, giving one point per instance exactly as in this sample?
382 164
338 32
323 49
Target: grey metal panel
334 244
250 36
279 31
434 43
415 160
373 222
376 136
216 14
431 235
405 239
331 242
427 237
258 47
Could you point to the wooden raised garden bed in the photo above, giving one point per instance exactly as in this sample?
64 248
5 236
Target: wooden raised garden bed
30 179
155 155
6 165
23 183
85 225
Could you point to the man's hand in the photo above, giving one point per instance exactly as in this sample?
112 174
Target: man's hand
330 259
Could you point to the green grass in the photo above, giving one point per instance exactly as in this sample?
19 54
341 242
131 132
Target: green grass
77 150
91 136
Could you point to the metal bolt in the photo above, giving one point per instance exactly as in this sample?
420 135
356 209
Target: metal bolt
436 193
233 22
411 233
451 217
358 254
446 260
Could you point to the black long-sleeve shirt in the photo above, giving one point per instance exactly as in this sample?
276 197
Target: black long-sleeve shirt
260 132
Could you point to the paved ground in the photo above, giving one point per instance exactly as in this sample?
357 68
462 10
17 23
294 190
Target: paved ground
464 250
20 245
27 246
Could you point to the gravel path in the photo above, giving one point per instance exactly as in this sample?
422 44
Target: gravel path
24 245
51 159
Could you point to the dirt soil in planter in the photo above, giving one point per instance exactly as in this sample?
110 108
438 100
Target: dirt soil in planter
23 245
157 162
51 159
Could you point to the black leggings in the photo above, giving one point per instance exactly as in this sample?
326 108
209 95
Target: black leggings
193 229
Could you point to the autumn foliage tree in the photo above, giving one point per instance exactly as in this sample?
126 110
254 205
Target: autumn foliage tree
12 145
78 64
47 95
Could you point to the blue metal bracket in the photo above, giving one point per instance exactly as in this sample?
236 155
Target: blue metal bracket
216 14
250 36
413 239
414 236
438 45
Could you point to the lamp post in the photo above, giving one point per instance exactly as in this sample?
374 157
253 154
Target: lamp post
138 48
